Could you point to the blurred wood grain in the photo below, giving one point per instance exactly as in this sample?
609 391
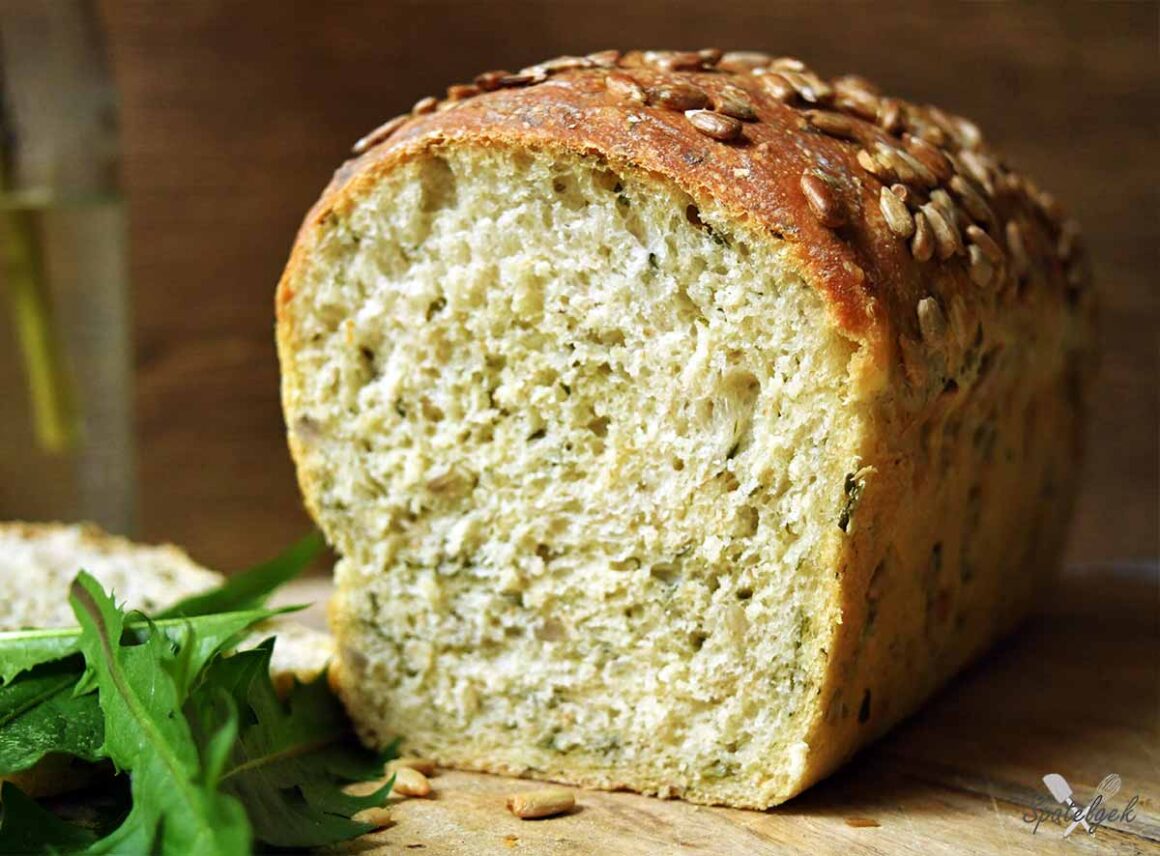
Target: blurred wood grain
236 113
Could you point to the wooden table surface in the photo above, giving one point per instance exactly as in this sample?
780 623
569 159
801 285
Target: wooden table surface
1075 692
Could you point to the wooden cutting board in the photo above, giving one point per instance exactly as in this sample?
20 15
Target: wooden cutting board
1075 692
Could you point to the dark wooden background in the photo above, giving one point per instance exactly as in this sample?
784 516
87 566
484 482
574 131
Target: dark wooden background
235 113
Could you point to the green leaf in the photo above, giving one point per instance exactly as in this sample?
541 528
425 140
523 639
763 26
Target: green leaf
174 811
292 758
250 588
40 713
25 827
21 650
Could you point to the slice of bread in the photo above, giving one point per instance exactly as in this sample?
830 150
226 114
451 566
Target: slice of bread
682 421
38 562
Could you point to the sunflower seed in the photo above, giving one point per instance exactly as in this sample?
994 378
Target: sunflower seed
544 802
491 80
929 156
565 63
894 211
424 765
875 166
890 115
967 132
835 124
909 198
985 243
460 91
710 57
787 63
425 105
379 134
625 88
946 236
822 200
715 125
932 322
857 95
946 206
677 96
605 59
513 80
922 244
1068 244
744 61
809 86
777 86
981 268
733 101
1017 247
674 60
976 206
979 167
410 783
920 170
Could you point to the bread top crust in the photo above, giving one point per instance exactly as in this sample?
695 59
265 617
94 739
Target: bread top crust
959 236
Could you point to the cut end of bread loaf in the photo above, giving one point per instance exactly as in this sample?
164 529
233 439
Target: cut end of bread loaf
582 445
683 420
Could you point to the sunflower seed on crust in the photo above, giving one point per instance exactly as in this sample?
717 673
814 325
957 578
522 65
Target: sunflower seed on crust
946 236
775 84
835 124
898 218
930 156
932 321
677 96
980 267
715 125
425 105
875 166
605 59
460 91
820 196
976 206
734 101
744 61
379 134
922 244
489 81
1017 247
625 88
986 243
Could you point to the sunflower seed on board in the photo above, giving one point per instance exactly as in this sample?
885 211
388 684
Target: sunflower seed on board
946 236
379 134
823 202
932 321
677 96
894 211
425 105
410 783
835 124
922 244
543 802
734 101
625 88
715 125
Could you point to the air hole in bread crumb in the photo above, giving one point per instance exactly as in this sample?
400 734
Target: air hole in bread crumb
678 464
599 426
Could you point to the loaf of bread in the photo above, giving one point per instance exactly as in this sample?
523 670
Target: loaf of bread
682 420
